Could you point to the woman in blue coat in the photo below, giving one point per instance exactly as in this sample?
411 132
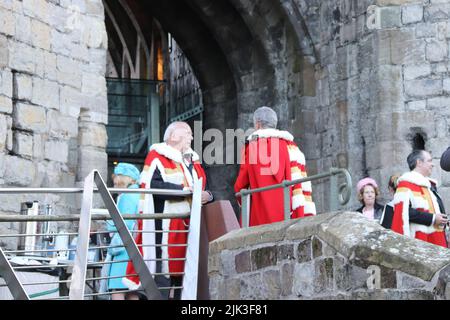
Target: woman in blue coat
125 176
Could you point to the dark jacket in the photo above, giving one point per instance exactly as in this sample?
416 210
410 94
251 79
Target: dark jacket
415 216
378 211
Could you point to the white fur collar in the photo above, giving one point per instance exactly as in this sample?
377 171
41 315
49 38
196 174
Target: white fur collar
173 154
417 178
271 133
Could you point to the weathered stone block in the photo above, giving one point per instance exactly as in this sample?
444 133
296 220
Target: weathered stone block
95 8
405 281
439 104
23 86
390 92
60 43
303 285
423 88
446 85
324 275
233 289
23 144
56 150
412 13
61 126
20 172
45 93
41 34
6 83
243 262
3 132
92 134
95 34
37 8
96 61
390 17
304 251
21 57
28 117
405 48
285 252
426 30
272 283
442 287
287 274
70 101
412 72
417 105
93 85
4 51
316 245
23 28
437 12
227 266
264 257
59 19
38 147
39 62
251 286
9 135
7 23
7 4
436 51
96 109
68 72
50 66
5 104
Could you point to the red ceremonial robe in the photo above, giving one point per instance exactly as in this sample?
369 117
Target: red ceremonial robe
414 190
172 168
269 157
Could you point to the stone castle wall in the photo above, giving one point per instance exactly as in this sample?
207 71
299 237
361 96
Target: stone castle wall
53 105
331 256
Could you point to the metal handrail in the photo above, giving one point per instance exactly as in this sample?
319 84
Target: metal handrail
94 183
159 192
76 217
343 192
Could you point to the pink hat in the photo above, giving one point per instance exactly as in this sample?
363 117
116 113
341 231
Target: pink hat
363 182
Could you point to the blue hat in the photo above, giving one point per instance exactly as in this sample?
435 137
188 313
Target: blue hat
127 169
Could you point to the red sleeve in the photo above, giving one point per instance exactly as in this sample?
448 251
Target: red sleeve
242 180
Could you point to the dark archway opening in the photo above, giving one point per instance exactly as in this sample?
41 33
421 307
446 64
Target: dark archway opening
418 142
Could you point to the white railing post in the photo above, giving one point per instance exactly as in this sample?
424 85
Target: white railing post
191 265
78 281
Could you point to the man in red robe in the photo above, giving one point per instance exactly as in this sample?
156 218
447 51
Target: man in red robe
169 165
269 157
418 209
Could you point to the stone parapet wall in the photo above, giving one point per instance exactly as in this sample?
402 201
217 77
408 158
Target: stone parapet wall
338 255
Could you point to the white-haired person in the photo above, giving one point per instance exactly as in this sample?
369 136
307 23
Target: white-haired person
125 175
168 165
269 157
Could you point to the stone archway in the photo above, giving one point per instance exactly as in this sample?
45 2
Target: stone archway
244 56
